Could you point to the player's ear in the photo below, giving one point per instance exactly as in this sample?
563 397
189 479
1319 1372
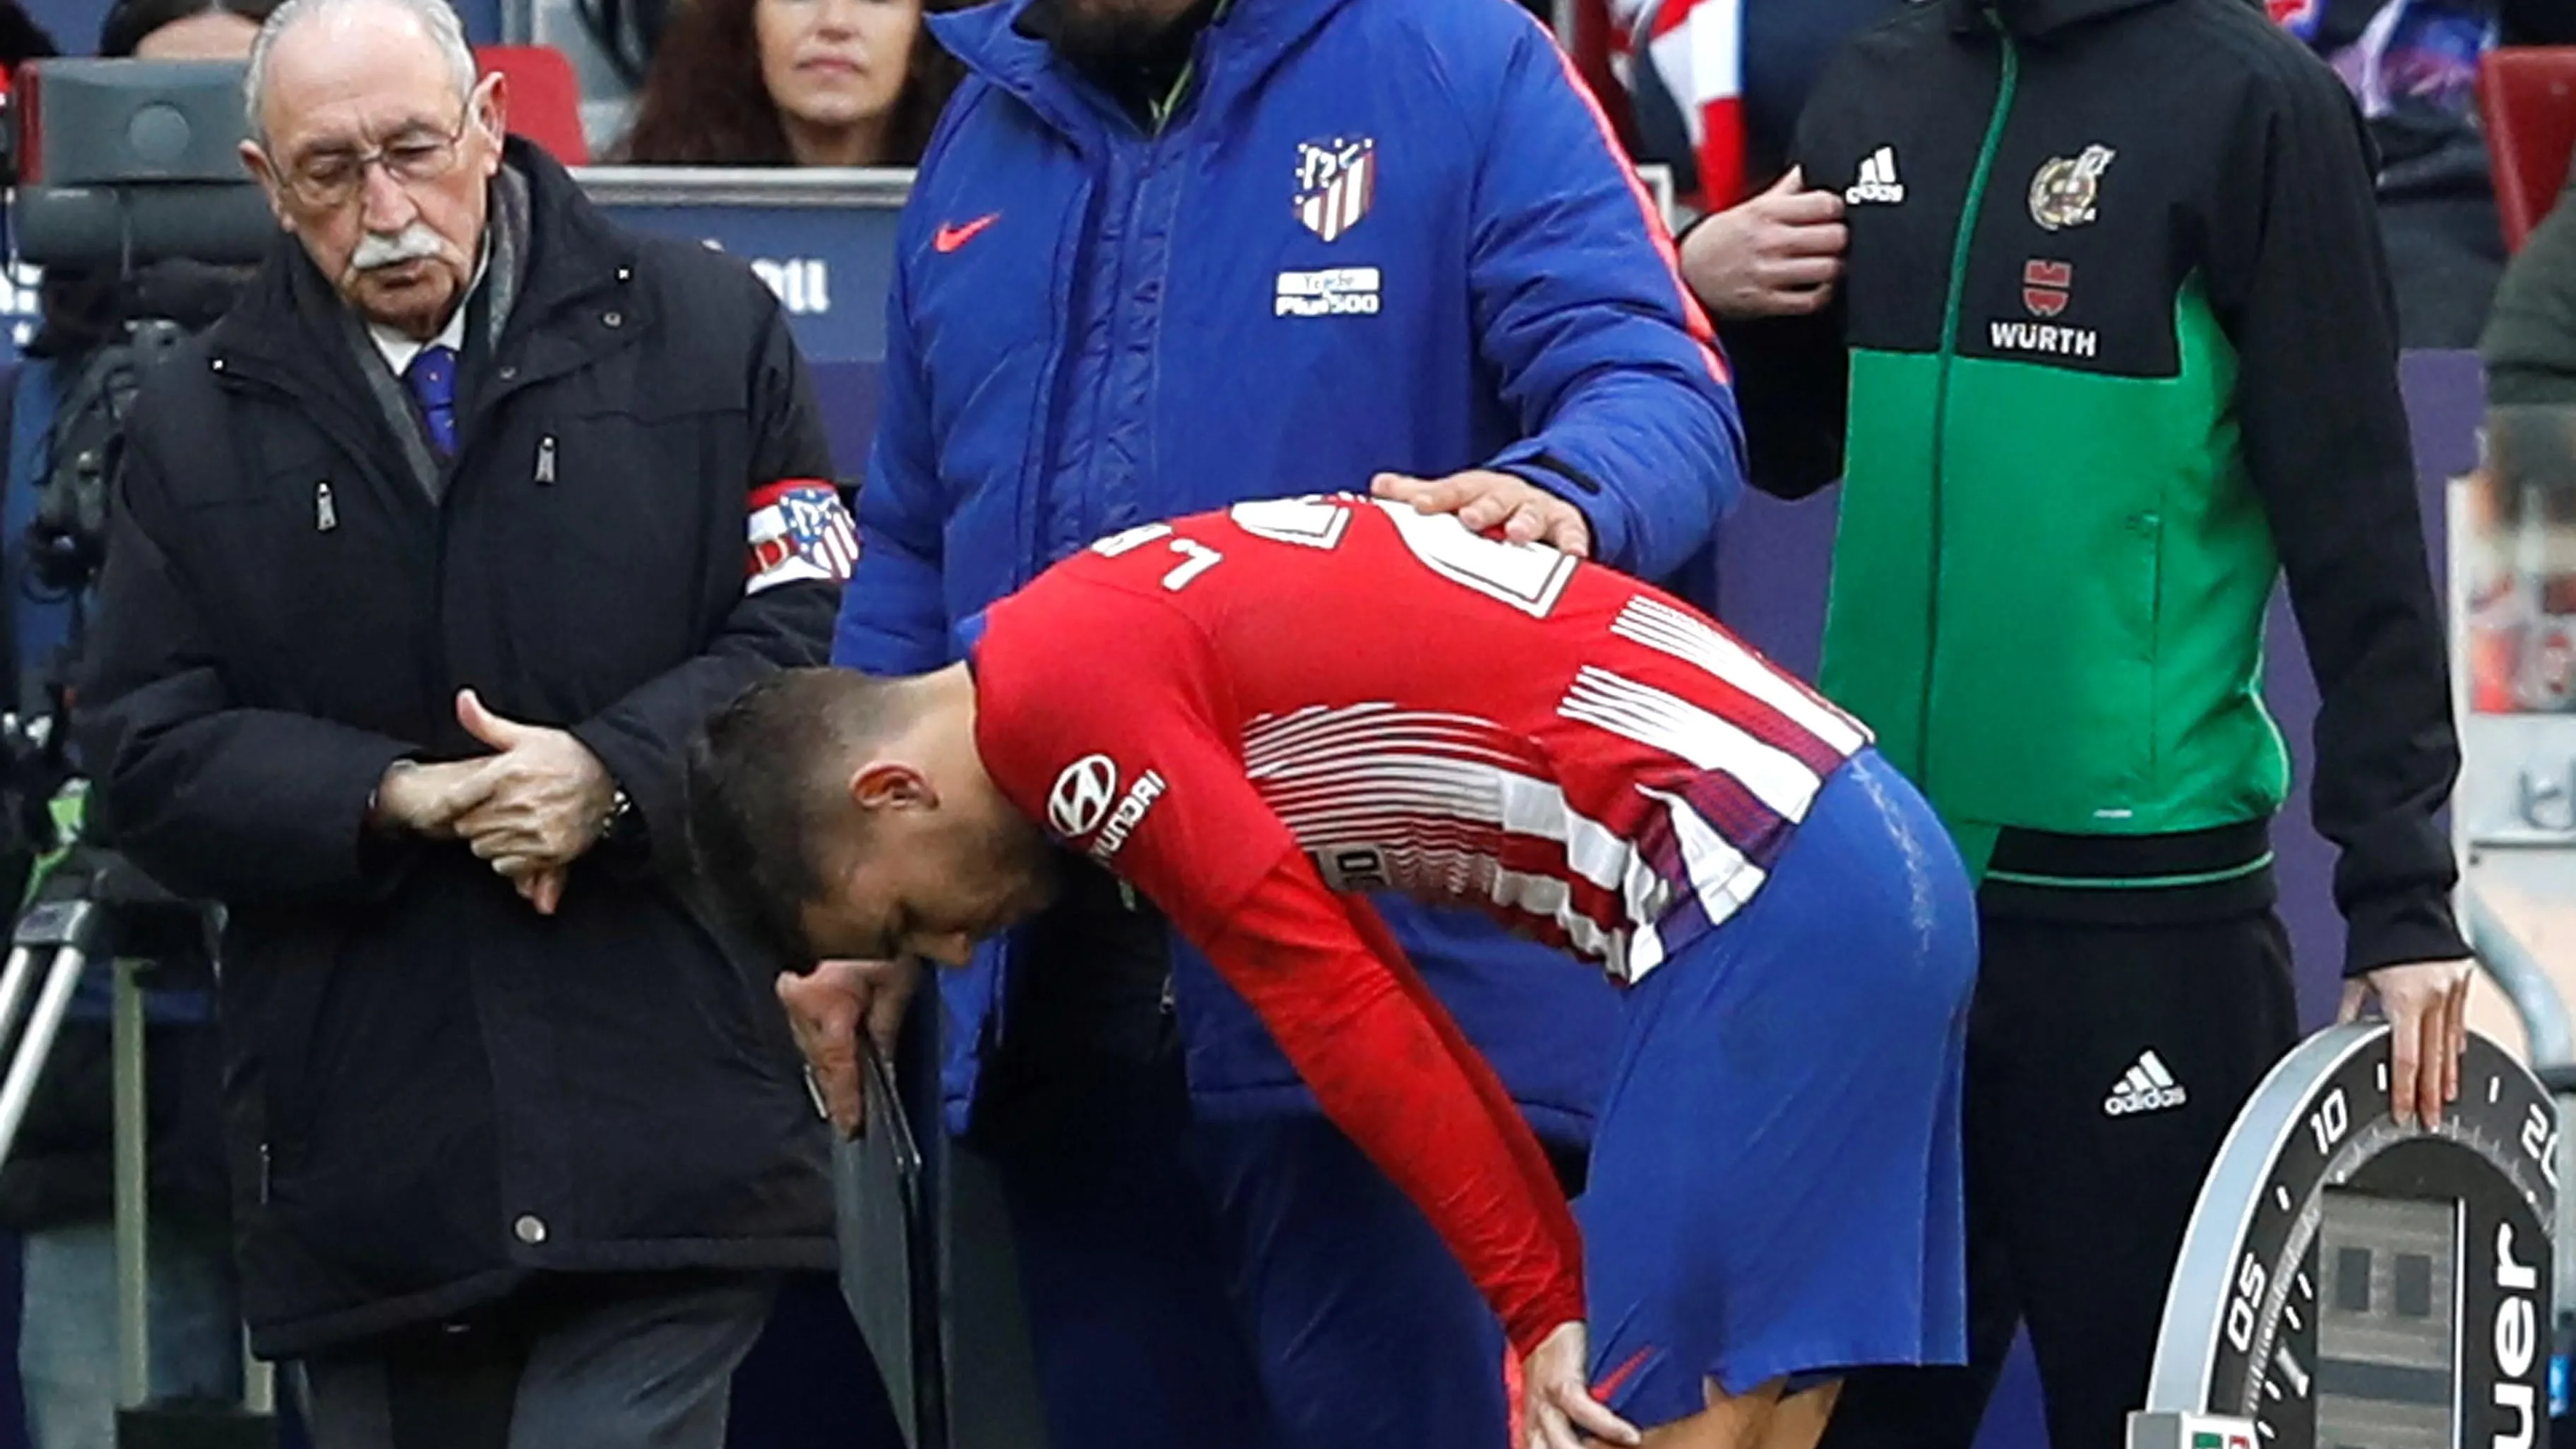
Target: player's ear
882 785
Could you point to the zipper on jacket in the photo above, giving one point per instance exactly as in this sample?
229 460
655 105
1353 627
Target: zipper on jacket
1162 110
327 513
1960 246
1171 101
546 458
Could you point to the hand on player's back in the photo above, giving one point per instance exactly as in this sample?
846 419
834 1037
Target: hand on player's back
825 1010
1494 503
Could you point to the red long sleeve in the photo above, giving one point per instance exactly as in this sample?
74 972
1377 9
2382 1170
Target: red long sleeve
1391 1070
1131 765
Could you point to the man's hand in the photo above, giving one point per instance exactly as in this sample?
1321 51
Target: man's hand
2427 1006
1557 1410
1777 255
825 1009
547 802
427 799
1485 500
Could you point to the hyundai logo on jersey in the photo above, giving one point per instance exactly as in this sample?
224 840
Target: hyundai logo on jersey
1081 795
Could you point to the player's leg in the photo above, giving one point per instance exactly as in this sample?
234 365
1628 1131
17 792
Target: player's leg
1776 1415
1365 1328
2152 1039
1776 1175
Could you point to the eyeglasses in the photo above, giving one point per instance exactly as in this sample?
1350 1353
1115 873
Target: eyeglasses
330 180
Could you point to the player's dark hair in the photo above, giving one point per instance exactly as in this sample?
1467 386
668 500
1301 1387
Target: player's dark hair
764 774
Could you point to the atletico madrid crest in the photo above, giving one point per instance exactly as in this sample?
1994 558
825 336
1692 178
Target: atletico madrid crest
800 531
1335 181
2299 15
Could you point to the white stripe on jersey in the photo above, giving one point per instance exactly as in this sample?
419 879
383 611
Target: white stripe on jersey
1719 874
1371 775
1665 721
1538 807
1645 953
1546 896
1318 731
1665 629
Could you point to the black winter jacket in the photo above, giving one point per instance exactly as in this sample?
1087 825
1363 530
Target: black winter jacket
431 1091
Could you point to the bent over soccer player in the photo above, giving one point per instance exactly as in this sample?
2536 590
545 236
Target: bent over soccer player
1254 716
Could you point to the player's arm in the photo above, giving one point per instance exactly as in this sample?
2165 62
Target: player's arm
1418 1103
1392 1070
1378 1052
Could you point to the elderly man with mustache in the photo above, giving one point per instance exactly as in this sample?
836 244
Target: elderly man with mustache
426 561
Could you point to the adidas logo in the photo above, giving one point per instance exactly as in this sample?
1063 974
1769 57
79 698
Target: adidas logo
1878 181
2145 1087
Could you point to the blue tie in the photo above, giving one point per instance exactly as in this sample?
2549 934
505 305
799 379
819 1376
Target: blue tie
432 377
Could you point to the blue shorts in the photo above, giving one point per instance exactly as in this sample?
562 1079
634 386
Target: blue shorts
1775 1186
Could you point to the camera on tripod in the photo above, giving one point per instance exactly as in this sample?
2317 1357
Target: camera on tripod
127 184
126 174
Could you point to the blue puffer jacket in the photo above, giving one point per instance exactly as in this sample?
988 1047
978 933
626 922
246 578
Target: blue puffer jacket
1370 234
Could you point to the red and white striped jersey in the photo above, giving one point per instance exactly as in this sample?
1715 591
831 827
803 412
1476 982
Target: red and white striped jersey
1429 712
1255 716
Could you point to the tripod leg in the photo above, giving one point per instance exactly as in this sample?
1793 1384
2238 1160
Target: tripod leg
43 1024
133 1256
14 979
259 1381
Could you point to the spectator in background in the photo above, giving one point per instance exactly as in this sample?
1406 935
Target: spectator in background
2412 64
425 561
183 29
792 83
2530 342
1714 87
2519 583
57 1187
21 38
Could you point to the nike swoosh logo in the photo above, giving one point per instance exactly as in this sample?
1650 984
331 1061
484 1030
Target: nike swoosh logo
1612 1381
952 236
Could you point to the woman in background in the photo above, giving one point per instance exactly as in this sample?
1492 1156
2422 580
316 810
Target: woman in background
792 83
182 29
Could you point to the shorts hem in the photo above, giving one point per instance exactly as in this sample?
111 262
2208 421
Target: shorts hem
1746 1373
